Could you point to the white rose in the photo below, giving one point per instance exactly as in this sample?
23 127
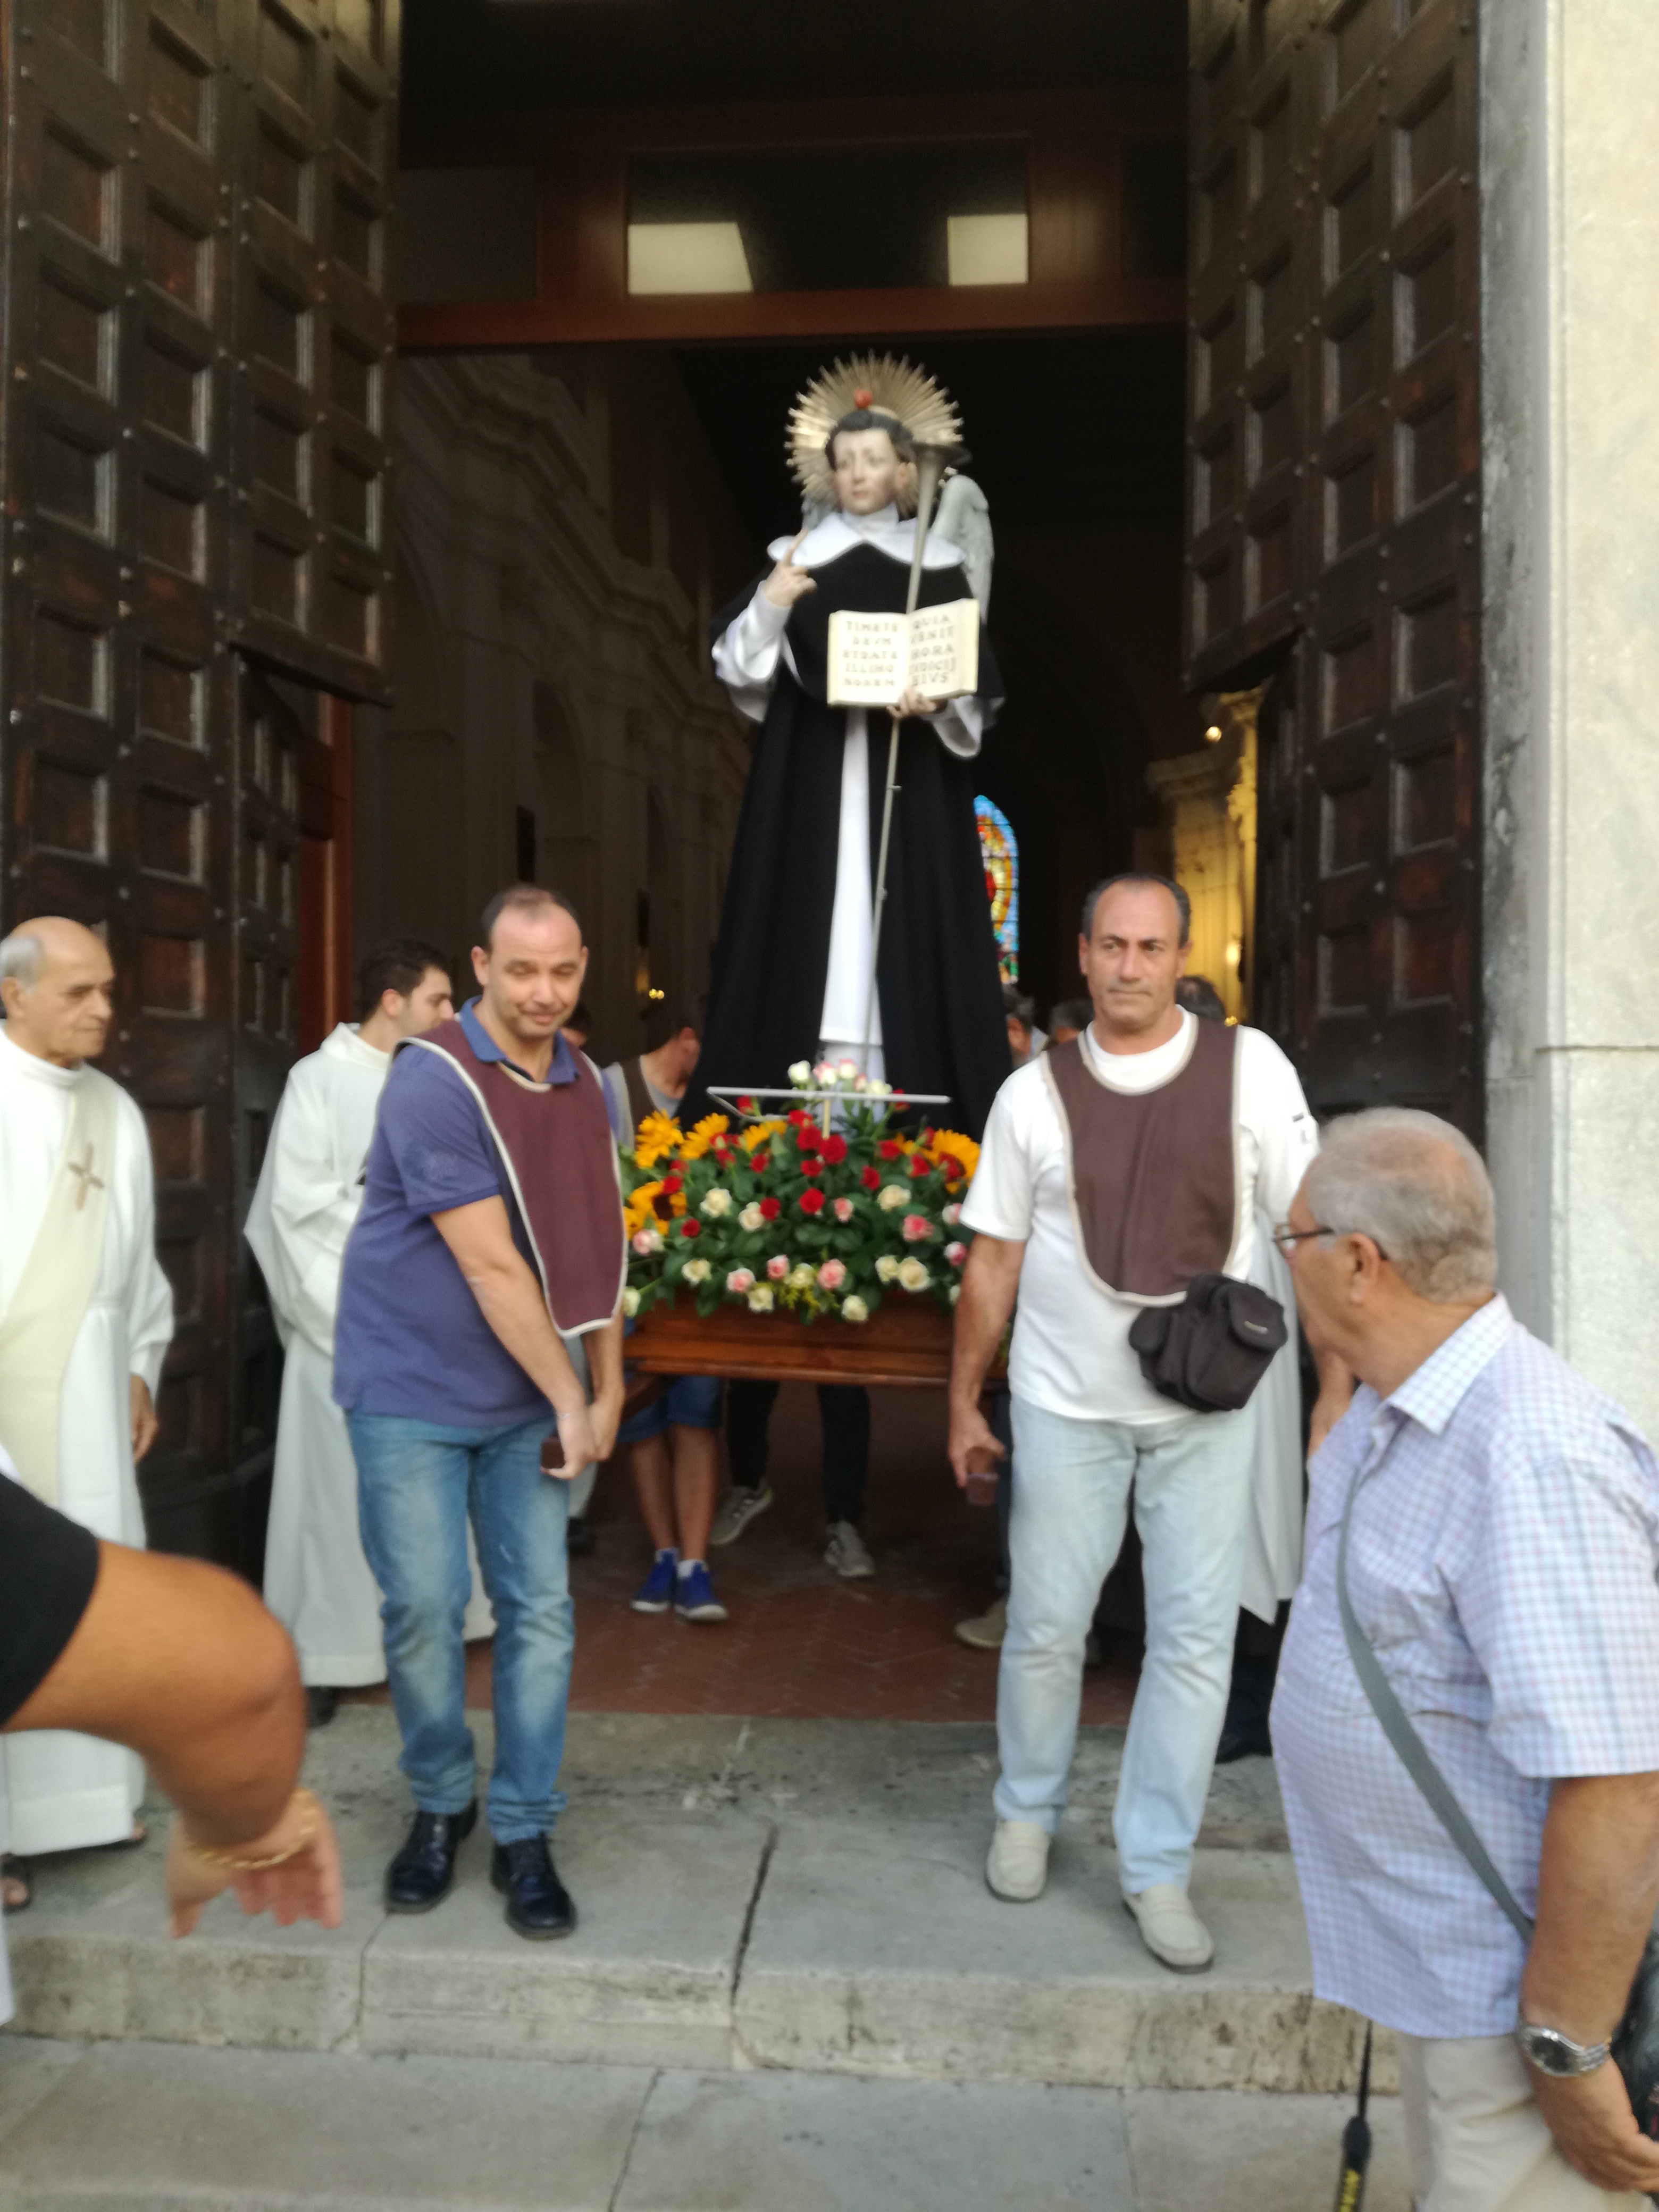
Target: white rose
630 1302
877 1089
801 1074
853 1308
801 1277
751 1218
847 1069
696 1271
739 1280
953 1213
891 1195
760 1298
719 1202
887 1268
912 1275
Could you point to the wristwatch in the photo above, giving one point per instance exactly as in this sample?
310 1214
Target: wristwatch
1556 2054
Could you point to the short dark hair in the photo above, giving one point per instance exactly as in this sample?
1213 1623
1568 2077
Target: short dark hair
521 898
1200 996
692 1015
398 965
1184 904
872 418
1071 1014
1015 1003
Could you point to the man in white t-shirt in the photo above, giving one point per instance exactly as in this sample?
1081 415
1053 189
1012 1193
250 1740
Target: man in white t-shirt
1113 1168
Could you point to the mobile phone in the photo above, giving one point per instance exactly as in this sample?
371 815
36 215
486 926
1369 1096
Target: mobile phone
552 1455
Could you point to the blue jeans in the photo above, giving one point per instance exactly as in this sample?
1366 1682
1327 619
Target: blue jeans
416 1483
690 1401
1071 1484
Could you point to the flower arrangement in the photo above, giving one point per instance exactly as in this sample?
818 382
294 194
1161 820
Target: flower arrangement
783 1214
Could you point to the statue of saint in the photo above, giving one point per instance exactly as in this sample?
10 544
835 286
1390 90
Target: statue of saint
792 972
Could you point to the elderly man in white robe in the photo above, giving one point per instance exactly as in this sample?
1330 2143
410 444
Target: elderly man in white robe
317 1581
86 1314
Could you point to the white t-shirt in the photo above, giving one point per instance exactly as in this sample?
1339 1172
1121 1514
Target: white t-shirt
1070 1352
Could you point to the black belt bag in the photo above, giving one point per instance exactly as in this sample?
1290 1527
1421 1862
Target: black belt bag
1210 1351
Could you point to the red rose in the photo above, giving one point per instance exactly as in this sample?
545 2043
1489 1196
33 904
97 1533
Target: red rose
833 1150
954 1170
807 1138
811 1201
798 1117
891 1149
811 1167
770 1208
745 1105
673 1182
871 1179
689 1228
920 1166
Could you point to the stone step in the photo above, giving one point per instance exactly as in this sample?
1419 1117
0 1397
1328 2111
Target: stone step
145 2127
809 1901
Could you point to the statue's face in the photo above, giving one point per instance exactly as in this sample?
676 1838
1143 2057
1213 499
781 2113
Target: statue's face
868 474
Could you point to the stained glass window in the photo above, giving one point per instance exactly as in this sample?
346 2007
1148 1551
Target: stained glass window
999 849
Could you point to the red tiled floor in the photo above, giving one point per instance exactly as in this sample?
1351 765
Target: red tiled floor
800 1644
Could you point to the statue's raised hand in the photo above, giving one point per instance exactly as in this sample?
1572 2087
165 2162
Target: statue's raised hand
787 583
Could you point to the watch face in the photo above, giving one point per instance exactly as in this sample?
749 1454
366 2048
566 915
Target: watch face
1549 2051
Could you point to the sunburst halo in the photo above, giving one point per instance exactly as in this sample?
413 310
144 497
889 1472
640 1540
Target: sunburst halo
876 380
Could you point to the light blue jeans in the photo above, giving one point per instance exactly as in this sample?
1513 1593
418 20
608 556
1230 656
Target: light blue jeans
1072 1485
416 1483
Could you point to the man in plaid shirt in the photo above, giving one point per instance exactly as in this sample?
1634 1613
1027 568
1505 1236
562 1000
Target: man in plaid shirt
1503 1564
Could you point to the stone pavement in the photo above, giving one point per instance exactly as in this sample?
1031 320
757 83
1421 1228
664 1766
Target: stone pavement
147 2127
786 1894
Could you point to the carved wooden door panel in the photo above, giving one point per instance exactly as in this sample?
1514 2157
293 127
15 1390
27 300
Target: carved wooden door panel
1334 513
168 172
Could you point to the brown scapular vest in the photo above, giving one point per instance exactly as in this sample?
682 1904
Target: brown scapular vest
553 1141
1153 1185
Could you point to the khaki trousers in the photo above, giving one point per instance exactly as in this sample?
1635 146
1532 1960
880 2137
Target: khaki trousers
1476 2141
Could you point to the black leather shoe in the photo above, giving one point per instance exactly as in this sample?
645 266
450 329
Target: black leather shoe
1243 1739
539 1905
423 1871
321 1706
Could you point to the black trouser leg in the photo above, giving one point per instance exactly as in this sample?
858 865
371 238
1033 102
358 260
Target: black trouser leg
1001 1416
844 1426
747 1410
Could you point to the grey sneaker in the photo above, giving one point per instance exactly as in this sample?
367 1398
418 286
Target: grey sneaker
737 1510
986 1631
847 1554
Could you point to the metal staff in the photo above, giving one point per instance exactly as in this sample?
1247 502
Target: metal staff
931 462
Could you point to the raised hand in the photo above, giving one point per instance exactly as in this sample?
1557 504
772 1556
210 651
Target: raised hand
787 583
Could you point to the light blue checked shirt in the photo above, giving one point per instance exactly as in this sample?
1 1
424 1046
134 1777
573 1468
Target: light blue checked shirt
1503 1563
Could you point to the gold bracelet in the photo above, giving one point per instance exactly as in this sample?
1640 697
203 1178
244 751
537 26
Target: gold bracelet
235 1863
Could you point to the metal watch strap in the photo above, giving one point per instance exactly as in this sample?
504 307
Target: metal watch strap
1587 2058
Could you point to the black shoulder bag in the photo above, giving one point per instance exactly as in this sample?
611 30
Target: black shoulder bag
1636 2041
1210 1351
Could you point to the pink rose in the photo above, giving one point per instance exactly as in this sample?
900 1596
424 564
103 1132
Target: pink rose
916 1228
832 1274
956 1253
778 1266
646 1240
843 1209
739 1281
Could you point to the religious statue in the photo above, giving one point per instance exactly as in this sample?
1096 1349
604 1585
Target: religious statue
821 953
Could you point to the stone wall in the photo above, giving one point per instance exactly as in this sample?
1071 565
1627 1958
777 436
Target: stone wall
1571 200
544 669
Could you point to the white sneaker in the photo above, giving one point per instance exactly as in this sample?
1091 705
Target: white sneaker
1017 1867
848 1553
738 1509
1170 1929
985 1631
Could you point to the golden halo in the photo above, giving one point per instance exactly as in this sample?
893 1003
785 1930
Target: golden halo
887 388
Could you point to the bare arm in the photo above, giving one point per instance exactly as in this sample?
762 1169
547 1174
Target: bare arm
989 1282
510 1299
604 1368
181 1663
1598 1883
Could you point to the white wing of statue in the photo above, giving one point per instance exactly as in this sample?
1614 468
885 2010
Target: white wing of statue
964 517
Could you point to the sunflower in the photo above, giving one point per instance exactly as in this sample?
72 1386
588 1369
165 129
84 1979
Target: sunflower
760 1133
703 1135
657 1134
639 1212
954 1151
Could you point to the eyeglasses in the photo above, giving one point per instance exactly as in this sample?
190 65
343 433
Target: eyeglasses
1287 1238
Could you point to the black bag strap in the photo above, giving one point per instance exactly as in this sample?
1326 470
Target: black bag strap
1412 1753
640 1104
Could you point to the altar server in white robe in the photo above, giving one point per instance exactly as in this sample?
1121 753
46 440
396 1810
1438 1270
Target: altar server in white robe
86 1314
317 1580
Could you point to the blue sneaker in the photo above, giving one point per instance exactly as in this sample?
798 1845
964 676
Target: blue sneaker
656 1593
694 1597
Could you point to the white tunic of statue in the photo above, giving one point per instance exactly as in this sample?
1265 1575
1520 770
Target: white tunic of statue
317 1580
746 662
66 1791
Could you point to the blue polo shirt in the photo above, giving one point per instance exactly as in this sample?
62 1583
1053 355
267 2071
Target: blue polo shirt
410 1339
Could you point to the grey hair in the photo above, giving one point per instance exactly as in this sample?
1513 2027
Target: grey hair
22 955
1418 1189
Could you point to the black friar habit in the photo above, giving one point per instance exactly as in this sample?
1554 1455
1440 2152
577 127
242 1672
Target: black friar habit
942 1023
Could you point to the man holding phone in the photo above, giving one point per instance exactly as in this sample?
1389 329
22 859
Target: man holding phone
480 1298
